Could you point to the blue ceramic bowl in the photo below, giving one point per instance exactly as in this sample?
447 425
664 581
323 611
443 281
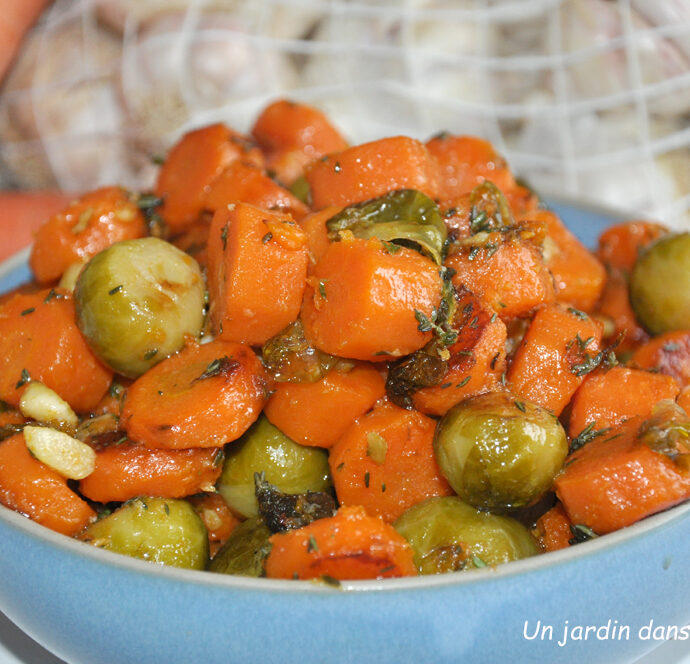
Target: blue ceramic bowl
608 600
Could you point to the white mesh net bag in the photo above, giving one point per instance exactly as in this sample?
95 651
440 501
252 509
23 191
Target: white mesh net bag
588 98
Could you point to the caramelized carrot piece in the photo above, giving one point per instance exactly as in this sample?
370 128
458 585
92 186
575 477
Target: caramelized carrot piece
257 270
349 545
364 302
553 529
82 229
618 479
126 470
318 413
32 488
204 396
40 340
683 399
293 134
610 397
192 165
668 353
385 462
314 226
508 274
217 517
620 244
193 240
578 274
370 170
561 345
248 183
477 358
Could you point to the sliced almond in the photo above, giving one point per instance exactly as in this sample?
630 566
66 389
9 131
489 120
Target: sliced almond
42 404
64 454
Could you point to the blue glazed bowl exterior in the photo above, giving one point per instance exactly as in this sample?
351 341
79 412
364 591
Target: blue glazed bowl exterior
607 600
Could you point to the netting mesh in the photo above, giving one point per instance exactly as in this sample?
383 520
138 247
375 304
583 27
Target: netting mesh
589 98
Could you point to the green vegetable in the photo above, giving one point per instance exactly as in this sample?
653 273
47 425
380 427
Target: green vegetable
162 530
245 550
499 453
448 535
287 465
136 301
404 216
660 284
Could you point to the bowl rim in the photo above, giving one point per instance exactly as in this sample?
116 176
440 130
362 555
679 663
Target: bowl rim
225 582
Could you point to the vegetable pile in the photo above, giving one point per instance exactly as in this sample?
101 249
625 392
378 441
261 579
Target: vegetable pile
302 359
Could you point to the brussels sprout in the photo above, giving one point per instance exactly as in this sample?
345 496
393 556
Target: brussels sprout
244 551
405 215
291 467
162 530
498 452
448 535
660 284
136 301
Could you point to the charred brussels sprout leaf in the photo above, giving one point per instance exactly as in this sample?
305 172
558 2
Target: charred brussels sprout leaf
423 368
667 432
286 511
489 209
290 358
245 550
404 216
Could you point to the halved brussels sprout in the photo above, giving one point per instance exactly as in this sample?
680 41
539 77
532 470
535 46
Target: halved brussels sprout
660 284
498 452
162 530
289 466
136 301
244 551
448 535
405 215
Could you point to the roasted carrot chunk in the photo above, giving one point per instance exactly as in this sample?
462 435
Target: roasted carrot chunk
560 347
248 183
349 545
385 462
204 396
477 358
87 225
126 470
370 170
640 468
314 226
32 488
257 270
579 276
668 353
192 165
40 340
318 413
365 302
217 517
607 398
553 529
620 244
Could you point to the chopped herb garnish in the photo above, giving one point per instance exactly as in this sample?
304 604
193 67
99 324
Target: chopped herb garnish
340 466
588 434
494 359
581 533
322 289
390 247
221 365
25 378
166 507
579 314
312 544
224 236
117 289
464 381
366 479
478 562
266 238
28 311
337 167
52 294
150 354
520 406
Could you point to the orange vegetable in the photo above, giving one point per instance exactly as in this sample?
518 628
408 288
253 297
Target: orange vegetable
35 490
620 244
257 269
361 300
553 529
193 240
477 358
82 229
314 226
204 396
249 184
610 397
385 462
683 399
559 347
126 470
370 170
39 340
318 413
292 135
617 479
192 165
349 545
668 353
217 517
578 274
508 274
